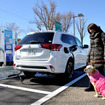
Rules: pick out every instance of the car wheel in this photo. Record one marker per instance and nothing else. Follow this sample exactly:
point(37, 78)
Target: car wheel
point(29, 74)
point(69, 69)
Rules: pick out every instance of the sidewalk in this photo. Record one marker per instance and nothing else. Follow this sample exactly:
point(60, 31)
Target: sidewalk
point(6, 71)
point(75, 95)
point(6, 68)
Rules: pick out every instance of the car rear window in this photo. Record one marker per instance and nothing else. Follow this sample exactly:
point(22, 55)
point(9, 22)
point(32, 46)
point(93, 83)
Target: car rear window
point(38, 38)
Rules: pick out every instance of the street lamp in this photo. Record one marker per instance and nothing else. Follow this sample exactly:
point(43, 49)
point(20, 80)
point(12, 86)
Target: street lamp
point(79, 15)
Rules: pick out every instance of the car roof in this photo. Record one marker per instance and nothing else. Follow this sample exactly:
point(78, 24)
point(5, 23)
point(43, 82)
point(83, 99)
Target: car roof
point(38, 32)
point(30, 33)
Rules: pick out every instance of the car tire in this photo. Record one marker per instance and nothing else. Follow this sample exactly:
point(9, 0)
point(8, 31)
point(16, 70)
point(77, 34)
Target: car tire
point(69, 69)
point(29, 74)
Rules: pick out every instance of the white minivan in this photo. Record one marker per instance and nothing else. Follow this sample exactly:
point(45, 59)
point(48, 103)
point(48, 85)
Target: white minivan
point(50, 52)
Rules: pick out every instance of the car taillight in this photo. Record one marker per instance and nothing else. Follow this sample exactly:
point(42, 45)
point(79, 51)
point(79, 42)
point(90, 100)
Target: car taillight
point(54, 47)
point(17, 47)
point(14, 65)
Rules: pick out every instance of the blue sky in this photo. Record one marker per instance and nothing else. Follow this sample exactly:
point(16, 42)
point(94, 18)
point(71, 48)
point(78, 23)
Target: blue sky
point(21, 12)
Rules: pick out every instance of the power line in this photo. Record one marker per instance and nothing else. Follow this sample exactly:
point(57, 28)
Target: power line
point(14, 14)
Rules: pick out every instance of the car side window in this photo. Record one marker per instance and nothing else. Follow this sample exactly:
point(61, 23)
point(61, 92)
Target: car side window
point(78, 42)
point(68, 39)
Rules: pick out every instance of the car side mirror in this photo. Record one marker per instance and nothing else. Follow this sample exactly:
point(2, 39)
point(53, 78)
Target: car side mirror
point(73, 48)
point(85, 46)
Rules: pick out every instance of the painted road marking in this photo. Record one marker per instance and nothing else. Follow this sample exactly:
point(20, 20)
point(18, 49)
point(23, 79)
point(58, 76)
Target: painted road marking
point(49, 94)
point(24, 89)
point(54, 93)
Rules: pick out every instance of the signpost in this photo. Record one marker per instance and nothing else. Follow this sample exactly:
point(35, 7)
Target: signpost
point(58, 26)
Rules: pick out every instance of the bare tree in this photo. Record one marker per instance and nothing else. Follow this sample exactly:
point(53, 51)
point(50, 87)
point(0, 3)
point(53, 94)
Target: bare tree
point(81, 27)
point(66, 21)
point(45, 16)
point(13, 26)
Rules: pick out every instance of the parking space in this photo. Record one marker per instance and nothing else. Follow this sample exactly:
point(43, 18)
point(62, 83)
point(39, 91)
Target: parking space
point(27, 91)
point(10, 96)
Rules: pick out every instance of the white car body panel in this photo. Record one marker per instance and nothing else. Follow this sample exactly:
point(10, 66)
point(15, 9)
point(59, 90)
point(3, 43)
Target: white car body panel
point(32, 57)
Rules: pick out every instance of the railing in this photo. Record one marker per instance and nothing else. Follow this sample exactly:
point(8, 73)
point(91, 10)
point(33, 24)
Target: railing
point(4, 56)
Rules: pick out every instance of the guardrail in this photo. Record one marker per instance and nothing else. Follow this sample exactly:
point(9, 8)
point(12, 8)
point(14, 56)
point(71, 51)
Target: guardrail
point(4, 56)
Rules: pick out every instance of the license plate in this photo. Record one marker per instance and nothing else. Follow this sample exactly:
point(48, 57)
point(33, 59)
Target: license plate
point(31, 52)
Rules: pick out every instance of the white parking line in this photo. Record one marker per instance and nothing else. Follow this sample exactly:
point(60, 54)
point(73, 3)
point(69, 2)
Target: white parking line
point(49, 94)
point(54, 93)
point(25, 89)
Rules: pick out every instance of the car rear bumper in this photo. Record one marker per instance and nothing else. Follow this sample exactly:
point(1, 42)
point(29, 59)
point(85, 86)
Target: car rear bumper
point(53, 65)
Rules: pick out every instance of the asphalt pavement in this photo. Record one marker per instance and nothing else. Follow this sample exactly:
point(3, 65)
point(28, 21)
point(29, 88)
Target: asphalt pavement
point(75, 95)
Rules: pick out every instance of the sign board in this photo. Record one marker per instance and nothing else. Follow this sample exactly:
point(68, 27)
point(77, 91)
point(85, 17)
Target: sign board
point(8, 45)
point(58, 26)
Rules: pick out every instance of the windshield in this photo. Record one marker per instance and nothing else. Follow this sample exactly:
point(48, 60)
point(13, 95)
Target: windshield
point(38, 38)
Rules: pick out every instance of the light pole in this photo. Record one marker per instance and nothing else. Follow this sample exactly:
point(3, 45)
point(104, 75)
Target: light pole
point(79, 15)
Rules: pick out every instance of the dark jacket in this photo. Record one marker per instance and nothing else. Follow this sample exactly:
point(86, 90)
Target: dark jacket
point(96, 53)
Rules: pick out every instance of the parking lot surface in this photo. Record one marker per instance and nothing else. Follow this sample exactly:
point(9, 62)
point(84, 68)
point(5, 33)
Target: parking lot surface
point(75, 95)
point(48, 89)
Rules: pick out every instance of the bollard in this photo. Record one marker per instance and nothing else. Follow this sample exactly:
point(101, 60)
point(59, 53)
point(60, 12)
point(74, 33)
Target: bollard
point(4, 56)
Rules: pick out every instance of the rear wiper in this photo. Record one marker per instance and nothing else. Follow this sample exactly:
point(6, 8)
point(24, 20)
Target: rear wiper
point(35, 42)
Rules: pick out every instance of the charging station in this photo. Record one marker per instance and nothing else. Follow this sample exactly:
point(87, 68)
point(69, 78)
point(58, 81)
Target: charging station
point(7, 43)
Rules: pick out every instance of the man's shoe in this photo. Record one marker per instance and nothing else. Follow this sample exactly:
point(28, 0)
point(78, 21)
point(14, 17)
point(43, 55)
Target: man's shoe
point(89, 89)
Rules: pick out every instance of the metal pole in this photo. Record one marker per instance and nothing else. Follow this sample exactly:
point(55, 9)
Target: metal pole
point(4, 56)
point(74, 25)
